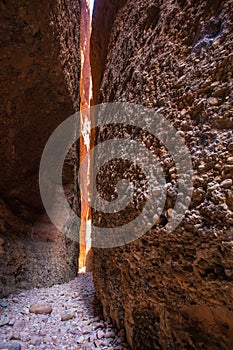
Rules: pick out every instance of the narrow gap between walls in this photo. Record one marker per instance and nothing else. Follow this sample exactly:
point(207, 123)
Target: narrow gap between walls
point(85, 127)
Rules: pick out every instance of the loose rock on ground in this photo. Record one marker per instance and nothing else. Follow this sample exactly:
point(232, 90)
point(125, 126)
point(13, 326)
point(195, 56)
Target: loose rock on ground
point(60, 317)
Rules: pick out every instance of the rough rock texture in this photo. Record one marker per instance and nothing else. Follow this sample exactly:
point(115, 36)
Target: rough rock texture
point(172, 291)
point(39, 69)
point(105, 12)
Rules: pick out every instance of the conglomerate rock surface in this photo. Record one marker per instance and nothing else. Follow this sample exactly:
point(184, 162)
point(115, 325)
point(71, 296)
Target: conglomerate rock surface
point(172, 290)
point(39, 69)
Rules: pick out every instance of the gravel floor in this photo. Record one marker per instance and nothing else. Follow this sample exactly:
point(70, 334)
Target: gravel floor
point(60, 317)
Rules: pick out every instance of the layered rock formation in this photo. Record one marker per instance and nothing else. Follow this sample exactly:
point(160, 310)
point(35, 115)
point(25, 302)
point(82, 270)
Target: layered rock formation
point(171, 290)
point(40, 68)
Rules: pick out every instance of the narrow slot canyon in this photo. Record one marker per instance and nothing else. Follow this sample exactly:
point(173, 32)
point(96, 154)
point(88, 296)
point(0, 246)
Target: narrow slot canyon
point(144, 257)
point(85, 121)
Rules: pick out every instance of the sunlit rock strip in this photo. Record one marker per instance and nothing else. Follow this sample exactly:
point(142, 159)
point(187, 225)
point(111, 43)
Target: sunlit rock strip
point(85, 120)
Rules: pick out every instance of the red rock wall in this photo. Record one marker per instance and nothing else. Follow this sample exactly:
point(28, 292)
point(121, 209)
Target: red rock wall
point(39, 84)
point(102, 21)
point(173, 291)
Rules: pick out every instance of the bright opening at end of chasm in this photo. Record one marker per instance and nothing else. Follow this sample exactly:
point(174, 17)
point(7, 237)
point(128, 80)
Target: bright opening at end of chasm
point(92, 3)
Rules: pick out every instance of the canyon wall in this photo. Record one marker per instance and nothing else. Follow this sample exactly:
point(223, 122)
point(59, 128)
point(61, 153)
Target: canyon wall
point(102, 21)
point(171, 290)
point(39, 69)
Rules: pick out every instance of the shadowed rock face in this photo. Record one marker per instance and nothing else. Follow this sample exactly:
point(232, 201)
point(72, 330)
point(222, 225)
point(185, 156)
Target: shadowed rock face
point(105, 12)
point(39, 69)
point(172, 291)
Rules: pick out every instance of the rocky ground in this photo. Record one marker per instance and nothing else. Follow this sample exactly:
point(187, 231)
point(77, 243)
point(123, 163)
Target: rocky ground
point(59, 317)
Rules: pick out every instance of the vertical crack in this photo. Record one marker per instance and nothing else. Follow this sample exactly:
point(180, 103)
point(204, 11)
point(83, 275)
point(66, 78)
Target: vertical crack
point(85, 127)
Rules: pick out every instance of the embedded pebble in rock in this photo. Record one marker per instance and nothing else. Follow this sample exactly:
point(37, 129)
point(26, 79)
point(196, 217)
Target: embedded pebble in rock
point(230, 147)
point(226, 183)
point(69, 324)
point(230, 160)
point(213, 101)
